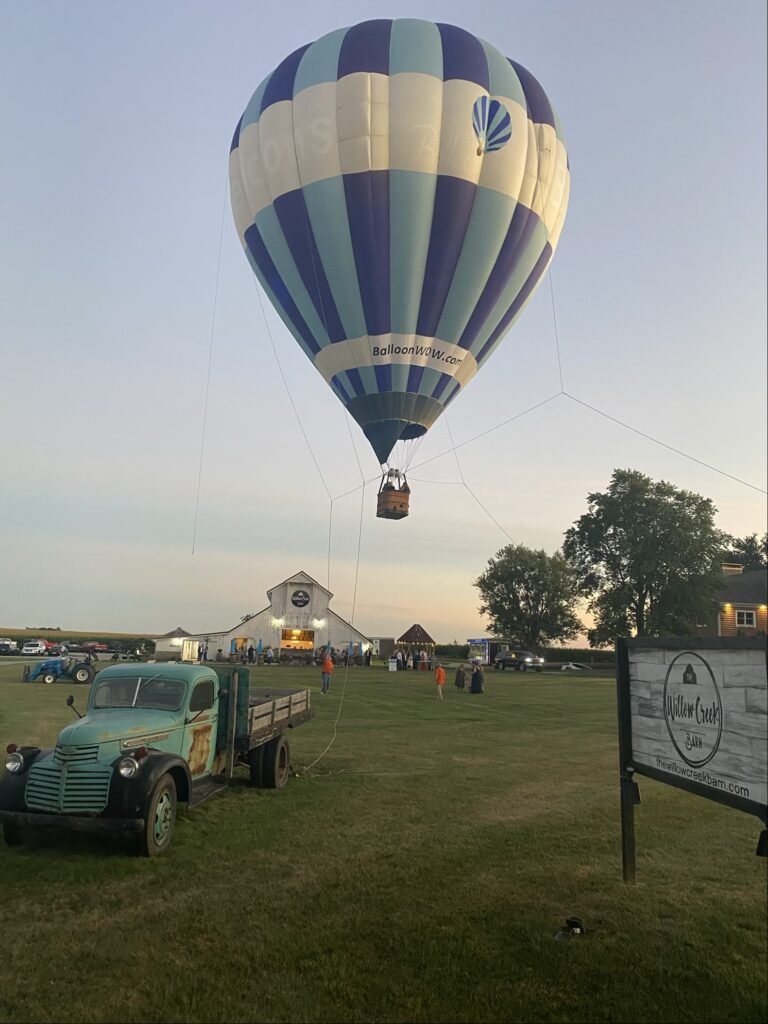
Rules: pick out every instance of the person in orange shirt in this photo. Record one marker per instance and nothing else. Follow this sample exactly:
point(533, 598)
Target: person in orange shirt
point(327, 672)
point(440, 680)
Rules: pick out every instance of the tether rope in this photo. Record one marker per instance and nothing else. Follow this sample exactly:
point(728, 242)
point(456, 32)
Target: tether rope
point(288, 390)
point(332, 740)
point(663, 444)
point(554, 324)
point(210, 361)
point(469, 489)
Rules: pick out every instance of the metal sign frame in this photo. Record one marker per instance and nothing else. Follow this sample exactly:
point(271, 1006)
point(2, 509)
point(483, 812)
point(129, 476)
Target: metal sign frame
point(628, 767)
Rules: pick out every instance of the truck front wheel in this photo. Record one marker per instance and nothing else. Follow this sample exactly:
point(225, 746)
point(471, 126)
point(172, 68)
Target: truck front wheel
point(12, 834)
point(160, 818)
point(277, 763)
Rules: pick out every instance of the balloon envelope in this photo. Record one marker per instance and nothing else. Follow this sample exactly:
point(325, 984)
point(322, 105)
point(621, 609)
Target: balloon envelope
point(399, 188)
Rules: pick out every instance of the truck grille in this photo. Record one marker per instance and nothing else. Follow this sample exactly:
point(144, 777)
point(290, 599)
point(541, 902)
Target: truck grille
point(76, 755)
point(68, 788)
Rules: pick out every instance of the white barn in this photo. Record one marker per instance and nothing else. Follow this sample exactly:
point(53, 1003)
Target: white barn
point(297, 619)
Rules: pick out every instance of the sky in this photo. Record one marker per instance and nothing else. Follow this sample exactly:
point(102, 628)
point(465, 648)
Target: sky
point(116, 123)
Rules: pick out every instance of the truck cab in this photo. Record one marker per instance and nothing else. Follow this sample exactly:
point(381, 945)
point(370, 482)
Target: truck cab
point(153, 735)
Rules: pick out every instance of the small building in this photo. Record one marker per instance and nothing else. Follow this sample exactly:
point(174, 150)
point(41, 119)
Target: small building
point(743, 603)
point(297, 621)
point(417, 638)
point(383, 647)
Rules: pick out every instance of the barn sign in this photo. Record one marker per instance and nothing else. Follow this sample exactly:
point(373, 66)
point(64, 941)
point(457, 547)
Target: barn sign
point(693, 714)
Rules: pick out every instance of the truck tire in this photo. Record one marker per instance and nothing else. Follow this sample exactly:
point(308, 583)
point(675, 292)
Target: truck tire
point(277, 763)
point(256, 765)
point(48, 677)
point(12, 834)
point(159, 819)
point(83, 674)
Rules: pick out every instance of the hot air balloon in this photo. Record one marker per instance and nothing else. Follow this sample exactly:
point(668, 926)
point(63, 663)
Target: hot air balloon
point(399, 188)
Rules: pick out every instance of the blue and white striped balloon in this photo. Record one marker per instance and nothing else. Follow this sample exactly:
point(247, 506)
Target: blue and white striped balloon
point(399, 188)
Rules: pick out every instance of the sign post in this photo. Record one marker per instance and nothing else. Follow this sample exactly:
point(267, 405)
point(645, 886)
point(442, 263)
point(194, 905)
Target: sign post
point(692, 714)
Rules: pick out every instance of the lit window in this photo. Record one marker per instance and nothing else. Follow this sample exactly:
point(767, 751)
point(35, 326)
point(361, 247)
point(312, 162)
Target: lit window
point(744, 618)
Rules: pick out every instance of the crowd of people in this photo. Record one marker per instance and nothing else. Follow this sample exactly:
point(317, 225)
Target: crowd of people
point(413, 660)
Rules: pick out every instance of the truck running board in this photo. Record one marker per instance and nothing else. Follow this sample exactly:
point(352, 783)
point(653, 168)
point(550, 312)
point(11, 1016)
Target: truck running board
point(204, 790)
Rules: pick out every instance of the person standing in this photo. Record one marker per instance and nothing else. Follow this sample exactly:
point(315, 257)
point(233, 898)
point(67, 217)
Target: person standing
point(368, 658)
point(476, 684)
point(250, 654)
point(399, 659)
point(327, 673)
point(440, 681)
point(270, 655)
point(461, 678)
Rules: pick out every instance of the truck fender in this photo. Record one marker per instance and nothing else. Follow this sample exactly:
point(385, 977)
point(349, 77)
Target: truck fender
point(12, 787)
point(130, 799)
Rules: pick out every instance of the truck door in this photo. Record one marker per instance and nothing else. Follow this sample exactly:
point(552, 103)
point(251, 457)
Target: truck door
point(199, 745)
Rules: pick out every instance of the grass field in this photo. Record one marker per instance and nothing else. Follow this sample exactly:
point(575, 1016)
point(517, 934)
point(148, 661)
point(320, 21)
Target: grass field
point(419, 873)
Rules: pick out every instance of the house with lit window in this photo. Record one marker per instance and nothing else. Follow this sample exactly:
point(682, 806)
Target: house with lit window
point(742, 603)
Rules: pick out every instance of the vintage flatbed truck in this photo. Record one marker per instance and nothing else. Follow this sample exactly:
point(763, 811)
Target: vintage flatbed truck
point(153, 735)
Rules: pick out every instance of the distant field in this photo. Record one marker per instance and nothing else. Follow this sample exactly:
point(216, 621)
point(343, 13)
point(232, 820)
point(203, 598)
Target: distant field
point(418, 874)
point(58, 634)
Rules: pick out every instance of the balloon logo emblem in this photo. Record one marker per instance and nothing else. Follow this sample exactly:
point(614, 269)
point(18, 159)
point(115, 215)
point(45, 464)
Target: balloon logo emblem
point(492, 125)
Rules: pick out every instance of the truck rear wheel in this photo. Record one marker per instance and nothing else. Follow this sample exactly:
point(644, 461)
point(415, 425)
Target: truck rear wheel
point(159, 819)
point(277, 763)
point(256, 765)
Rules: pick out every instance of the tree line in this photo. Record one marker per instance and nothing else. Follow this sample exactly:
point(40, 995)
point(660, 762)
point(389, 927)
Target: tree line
point(646, 558)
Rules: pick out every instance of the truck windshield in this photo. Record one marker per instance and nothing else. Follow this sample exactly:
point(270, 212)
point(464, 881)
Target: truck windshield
point(140, 692)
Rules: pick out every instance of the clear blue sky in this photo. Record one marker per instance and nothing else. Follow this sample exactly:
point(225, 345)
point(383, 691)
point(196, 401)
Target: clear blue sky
point(116, 121)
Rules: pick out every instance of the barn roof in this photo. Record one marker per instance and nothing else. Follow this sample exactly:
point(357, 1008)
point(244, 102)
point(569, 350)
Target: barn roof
point(174, 633)
point(415, 635)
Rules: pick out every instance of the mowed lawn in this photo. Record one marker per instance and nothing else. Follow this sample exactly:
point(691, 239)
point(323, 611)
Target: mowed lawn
point(418, 873)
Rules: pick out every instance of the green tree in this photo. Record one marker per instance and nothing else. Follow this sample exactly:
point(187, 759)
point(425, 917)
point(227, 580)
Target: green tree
point(647, 557)
point(751, 551)
point(529, 596)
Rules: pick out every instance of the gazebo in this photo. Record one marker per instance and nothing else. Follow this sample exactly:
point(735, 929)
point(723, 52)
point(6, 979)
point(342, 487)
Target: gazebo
point(417, 637)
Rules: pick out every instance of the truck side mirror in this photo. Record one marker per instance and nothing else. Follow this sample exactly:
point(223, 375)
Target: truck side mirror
point(71, 704)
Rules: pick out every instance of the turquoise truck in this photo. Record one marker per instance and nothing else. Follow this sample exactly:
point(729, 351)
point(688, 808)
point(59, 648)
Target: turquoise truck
point(153, 736)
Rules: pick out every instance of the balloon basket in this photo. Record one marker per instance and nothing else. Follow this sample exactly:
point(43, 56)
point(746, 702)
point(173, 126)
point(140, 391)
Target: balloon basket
point(393, 499)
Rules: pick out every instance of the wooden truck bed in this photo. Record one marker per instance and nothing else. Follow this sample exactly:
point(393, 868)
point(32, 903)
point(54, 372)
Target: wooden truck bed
point(272, 710)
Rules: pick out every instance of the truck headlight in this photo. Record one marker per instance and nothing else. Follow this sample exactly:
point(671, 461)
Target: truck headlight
point(128, 767)
point(14, 763)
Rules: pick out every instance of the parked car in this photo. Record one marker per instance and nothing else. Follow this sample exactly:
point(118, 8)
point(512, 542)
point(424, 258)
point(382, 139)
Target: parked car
point(8, 646)
point(35, 647)
point(520, 661)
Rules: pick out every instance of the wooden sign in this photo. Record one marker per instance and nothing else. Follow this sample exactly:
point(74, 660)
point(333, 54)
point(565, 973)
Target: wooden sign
point(693, 714)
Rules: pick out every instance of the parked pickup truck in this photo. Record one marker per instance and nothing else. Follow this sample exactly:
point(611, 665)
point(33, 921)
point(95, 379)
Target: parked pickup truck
point(153, 735)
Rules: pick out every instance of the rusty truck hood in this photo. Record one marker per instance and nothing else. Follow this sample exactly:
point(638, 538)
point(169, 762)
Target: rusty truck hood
point(105, 725)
